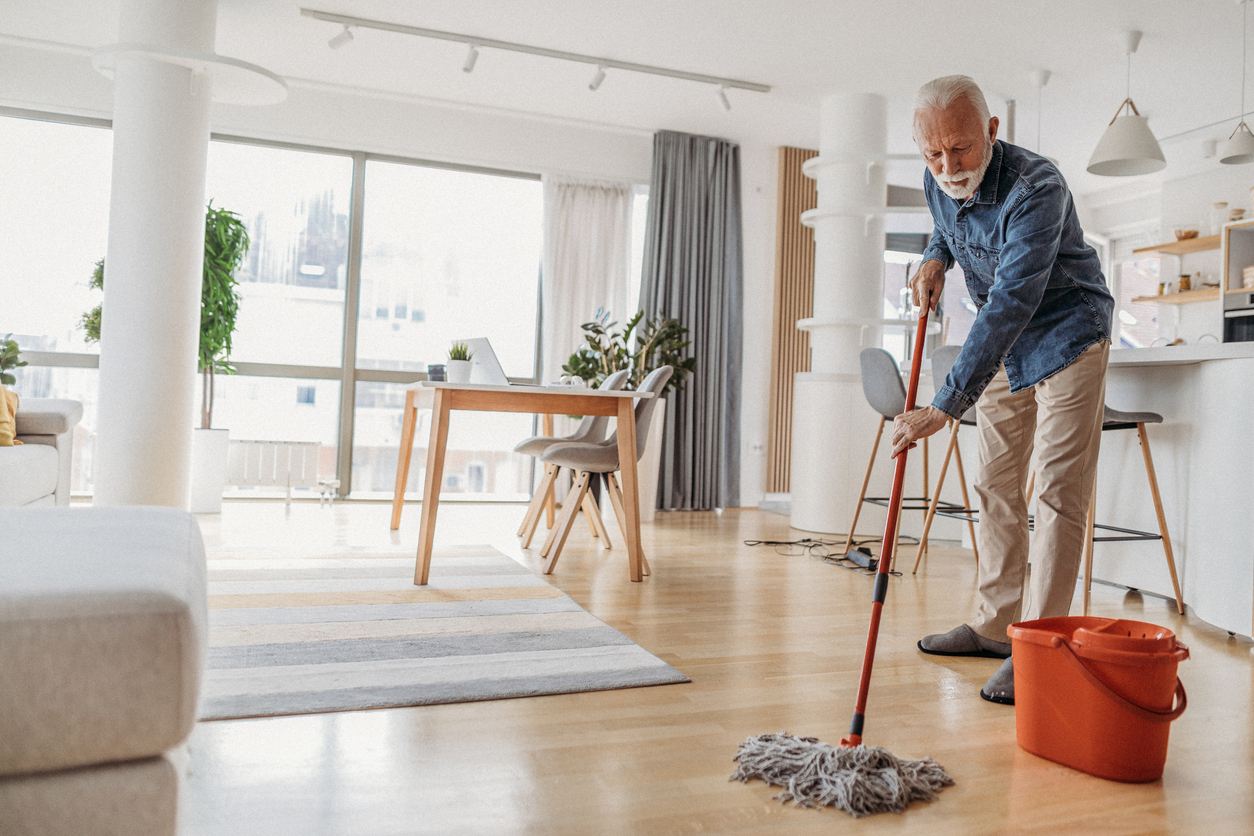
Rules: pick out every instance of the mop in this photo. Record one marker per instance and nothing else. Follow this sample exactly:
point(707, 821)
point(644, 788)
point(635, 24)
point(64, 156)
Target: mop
point(858, 779)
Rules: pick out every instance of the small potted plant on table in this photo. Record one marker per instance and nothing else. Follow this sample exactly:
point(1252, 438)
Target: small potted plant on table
point(459, 357)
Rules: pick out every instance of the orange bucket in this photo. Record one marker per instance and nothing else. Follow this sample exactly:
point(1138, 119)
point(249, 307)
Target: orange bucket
point(1096, 694)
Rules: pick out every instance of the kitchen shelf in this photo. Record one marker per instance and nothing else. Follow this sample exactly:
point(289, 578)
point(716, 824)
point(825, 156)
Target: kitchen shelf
point(1184, 247)
point(1184, 297)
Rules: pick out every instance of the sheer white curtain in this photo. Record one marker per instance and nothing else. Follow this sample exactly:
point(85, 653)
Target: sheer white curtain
point(587, 237)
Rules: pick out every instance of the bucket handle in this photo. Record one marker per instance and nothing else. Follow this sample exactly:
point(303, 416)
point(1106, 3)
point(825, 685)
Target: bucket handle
point(1181, 699)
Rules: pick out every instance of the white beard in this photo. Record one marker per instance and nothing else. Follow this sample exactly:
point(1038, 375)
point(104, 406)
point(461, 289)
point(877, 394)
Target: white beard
point(972, 178)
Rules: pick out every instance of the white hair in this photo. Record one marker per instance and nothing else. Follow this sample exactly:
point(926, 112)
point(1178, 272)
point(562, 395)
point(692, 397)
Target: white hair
point(941, 93)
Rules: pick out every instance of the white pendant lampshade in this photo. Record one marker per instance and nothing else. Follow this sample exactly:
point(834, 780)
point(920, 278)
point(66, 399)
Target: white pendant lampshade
point(1127, 148)
point(1239, 149)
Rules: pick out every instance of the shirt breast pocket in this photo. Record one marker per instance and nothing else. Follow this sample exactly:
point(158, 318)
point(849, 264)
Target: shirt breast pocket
point(984, 260)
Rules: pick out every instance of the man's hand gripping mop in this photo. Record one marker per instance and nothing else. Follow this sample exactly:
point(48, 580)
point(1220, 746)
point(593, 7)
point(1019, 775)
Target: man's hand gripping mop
point(858, 779)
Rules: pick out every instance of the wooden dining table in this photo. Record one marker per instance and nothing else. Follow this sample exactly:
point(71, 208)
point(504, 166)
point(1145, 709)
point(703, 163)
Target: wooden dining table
point(543, 400)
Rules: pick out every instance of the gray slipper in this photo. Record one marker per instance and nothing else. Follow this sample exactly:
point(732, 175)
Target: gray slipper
point(963, 641)
point(1000, 687)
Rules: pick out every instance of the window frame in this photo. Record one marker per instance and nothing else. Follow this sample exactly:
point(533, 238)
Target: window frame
point(347, 372)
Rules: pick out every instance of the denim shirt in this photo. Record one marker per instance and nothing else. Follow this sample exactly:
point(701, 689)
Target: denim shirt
point(1038, 287)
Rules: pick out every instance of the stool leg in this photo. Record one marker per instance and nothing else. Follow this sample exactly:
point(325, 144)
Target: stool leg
point(931, 508)
point(866, 480)
point(1027, 494)
point(966, 503)
point(1162, 518)
point(1090, 527)
point(926, 485)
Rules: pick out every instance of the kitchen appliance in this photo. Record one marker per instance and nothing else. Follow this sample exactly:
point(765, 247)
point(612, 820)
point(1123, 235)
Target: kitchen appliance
point(1239, 316)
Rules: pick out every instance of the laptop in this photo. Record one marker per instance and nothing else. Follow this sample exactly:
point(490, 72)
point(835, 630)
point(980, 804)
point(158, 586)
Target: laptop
point(484, 366)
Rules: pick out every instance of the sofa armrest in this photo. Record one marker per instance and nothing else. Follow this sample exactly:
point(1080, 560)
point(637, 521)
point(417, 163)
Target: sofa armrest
point(47, 416)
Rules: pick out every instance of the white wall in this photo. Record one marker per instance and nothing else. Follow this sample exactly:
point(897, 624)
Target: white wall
point(339, 117)
point(759, 174)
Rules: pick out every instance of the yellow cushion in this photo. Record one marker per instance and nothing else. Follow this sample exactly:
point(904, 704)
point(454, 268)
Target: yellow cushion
point(8, 418)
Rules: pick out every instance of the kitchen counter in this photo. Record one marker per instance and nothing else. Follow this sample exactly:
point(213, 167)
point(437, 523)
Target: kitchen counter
point(1204, 464)
point(1172, 355)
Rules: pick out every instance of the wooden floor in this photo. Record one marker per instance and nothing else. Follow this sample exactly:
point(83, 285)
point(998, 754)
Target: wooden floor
point(771, 642)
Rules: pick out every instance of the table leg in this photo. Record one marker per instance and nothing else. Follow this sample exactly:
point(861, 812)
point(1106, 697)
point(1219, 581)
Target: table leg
point(431, 488)
point(403, 456)
point(631, 484)
point(550, 504)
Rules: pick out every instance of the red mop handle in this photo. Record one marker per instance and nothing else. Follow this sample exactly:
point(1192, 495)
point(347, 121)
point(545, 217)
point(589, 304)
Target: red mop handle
point(888, 547)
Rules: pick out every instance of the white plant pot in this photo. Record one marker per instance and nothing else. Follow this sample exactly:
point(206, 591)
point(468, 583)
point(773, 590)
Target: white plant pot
point(209, 454)
point(458, 371)
point(649, 468)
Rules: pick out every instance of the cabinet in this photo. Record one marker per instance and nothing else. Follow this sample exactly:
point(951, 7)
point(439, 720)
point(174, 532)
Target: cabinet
point(1238, 244)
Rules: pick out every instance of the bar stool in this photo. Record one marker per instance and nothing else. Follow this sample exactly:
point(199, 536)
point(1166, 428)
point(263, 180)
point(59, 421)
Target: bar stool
point(591, 429)
point(943, 360)
point(589, 460)
point(884, 391)
point(1112, 420)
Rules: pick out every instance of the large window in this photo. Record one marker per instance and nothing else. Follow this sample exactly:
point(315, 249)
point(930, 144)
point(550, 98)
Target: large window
point(445, 254)
point(1137, 324)
point(479, 462)
point(448, 255)
point(292, 283)
point(54, 213)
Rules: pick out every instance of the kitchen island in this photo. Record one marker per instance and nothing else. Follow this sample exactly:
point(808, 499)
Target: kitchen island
point(1204, 458)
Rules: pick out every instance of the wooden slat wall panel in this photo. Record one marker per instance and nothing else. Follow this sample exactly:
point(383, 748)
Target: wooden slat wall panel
point(794, 299)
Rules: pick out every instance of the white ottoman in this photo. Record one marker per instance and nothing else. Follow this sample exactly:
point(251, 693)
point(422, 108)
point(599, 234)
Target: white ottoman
point(102, 645)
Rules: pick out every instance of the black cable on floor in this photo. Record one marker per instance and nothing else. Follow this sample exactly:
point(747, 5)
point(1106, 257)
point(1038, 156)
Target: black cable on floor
point(812, 547)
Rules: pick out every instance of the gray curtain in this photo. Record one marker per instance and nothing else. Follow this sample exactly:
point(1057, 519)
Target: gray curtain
point(692, 272)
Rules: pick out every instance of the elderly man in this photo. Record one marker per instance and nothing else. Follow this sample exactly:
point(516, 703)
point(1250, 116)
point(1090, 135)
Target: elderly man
point(1034, 363)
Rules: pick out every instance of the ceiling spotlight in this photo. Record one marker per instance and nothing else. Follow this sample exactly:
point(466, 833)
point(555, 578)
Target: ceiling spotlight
point(597, 79)
point(341, 39)
point(472, 55)
point(722, 97)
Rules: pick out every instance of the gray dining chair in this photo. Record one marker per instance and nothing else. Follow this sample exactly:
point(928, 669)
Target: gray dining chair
point(884, 391)
point(591, 429)
point(943, 360)
point(588, 459)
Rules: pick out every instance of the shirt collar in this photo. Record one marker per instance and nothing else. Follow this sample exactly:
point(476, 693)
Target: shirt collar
point(987, 192)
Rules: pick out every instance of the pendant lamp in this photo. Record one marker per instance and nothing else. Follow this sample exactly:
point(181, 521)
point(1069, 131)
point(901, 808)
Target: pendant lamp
point(1128, 147)
point(1239, 148)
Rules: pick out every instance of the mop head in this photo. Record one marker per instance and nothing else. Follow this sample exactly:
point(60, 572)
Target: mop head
point(860, 780)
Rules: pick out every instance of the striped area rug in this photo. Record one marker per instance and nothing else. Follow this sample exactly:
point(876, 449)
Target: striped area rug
point(300, 635)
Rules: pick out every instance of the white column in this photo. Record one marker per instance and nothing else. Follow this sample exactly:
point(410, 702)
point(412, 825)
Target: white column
point(151, 319)
point(833, 425)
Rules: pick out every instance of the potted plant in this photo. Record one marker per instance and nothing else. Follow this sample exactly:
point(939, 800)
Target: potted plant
point(9, 354)
point(226, 245)
point(459, 357)
point(641, 346)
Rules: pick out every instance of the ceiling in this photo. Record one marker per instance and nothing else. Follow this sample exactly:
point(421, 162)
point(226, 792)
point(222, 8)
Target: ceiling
point(1186, 74)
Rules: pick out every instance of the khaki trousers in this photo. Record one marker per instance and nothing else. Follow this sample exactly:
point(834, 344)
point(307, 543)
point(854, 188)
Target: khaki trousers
point(1061, 419)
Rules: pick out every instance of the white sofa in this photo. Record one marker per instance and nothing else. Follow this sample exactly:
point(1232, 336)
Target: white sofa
point(37, 472)
point(103, 631)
